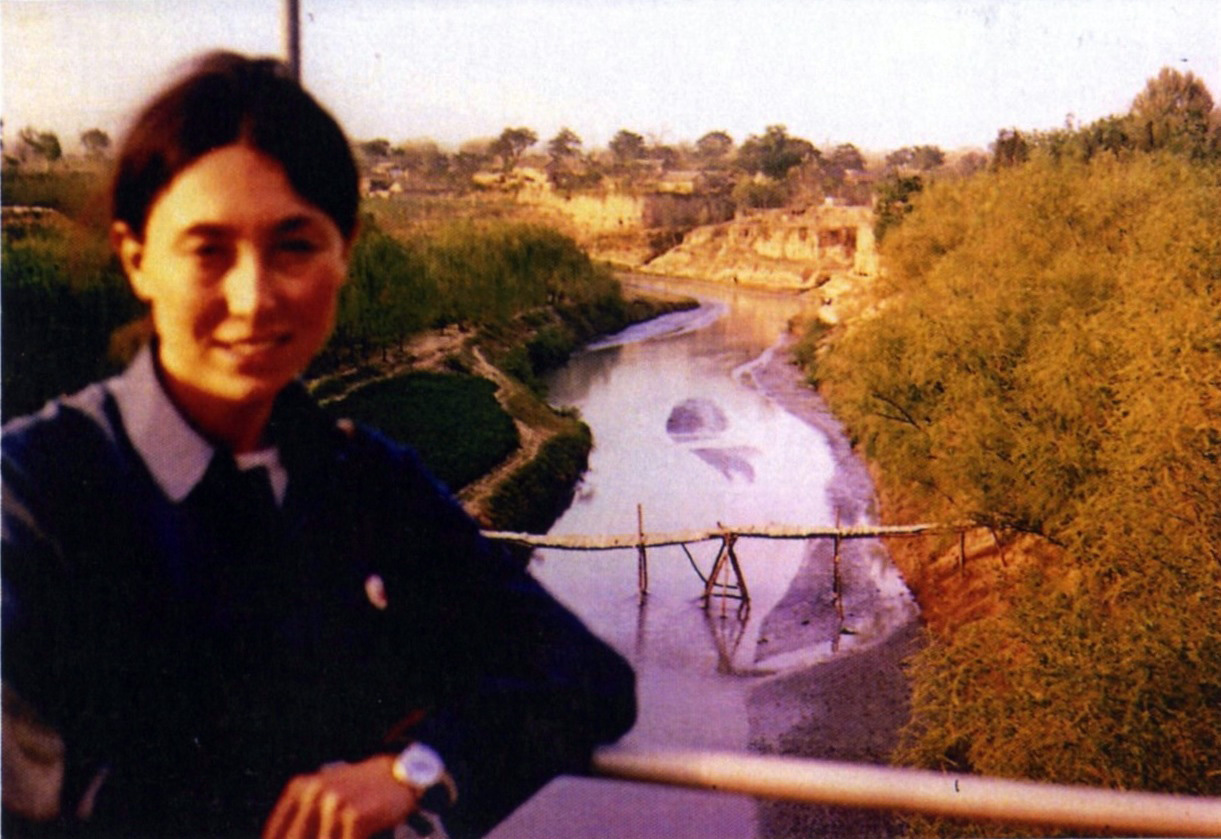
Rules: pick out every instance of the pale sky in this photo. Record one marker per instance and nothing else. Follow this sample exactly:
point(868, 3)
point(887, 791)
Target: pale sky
point(877, 73)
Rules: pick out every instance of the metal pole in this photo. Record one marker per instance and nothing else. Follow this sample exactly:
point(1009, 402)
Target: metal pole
point(292, 38)
point(956, 796)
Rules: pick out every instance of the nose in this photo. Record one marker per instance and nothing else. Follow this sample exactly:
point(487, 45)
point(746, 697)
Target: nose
point(248, 284)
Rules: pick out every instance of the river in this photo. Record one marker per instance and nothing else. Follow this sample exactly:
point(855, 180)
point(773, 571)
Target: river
point(699, 422)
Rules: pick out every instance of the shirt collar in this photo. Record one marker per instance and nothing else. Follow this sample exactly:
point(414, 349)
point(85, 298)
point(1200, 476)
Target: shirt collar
point(174, 452)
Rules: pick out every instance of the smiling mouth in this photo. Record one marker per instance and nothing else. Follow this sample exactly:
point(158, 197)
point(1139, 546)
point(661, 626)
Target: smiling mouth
point(255, 345)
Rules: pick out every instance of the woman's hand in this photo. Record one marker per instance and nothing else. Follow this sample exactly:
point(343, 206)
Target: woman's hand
point(343, 801)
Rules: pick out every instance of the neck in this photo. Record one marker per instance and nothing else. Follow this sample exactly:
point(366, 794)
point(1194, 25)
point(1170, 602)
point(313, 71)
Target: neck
point(238, 426)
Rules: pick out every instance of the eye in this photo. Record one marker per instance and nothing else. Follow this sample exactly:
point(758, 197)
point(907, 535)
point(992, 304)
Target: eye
point(211, 254)
point(297, 245)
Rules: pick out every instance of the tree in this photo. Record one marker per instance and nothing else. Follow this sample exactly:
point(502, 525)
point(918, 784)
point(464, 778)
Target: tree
point(375, 148)
point(920, 158)
point(844, 158)
point(511, 144)
point(423, 157)
point(894, 202)
point(1110, 134)
point(96, 142)
point(1010, 148)
point(564, 145)
point(713, 147)
point(833, 171)
point(563, 157)
point(970, 163)
point(667, 156)
point(1173, 112)
point(926, 158)
point(463, 165)
point(44, 144)
point(627, 147)
point(775, 153)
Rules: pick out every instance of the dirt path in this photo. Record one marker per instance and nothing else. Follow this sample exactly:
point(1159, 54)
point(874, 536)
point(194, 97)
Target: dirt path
point(426, 351)
point(475, 496)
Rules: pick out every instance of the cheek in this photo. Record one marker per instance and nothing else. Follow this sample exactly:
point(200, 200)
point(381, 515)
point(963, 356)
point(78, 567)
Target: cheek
point(316, 301)
point(186, 315)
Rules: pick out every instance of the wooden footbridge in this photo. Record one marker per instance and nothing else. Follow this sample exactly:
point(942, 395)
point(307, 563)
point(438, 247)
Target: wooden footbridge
point(725, 578)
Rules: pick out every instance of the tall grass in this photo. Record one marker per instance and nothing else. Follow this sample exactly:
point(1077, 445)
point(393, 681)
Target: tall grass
point(459, 273)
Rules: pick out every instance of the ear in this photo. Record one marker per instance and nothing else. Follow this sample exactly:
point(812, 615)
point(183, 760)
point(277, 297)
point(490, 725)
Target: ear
point(349, 244)
point(130, 251)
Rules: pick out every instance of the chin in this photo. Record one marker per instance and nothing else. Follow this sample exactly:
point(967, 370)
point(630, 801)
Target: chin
point(244, 390)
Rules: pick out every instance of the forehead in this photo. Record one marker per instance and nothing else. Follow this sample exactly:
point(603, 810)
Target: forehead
point(233, 187)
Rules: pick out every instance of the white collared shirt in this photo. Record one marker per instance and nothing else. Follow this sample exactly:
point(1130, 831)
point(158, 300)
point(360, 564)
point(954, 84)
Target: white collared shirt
point(174, 452)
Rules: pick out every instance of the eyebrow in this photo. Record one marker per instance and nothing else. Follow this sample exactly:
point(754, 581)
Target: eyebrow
point(205, 230)
point(294, 224)
point(218, 230)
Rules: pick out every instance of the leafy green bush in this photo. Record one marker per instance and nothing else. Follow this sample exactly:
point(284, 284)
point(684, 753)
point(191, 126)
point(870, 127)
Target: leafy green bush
point(531, 500)
point(1044, 355)
point(454, 422)
point(550, 347)
point(63, 296)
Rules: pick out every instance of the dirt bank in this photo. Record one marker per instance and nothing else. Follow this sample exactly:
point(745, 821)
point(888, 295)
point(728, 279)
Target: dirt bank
point(847, 709)
point(851, 707)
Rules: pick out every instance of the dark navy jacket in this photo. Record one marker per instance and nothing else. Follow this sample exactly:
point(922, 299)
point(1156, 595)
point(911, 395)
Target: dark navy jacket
point(198, 665)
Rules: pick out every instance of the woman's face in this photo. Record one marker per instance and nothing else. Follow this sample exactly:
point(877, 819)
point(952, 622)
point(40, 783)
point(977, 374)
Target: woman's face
point(241, 273)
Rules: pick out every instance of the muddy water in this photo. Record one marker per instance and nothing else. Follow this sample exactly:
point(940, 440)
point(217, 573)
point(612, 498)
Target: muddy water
point(693, 423)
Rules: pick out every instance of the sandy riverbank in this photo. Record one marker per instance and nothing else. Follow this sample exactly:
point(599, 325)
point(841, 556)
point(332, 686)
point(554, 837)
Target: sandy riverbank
point(851, 707)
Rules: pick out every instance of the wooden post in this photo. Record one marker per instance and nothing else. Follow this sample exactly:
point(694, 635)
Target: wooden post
point(710, 585)
point(724, 579)
point(642, 557)
point(837, 587)
point(737, 570)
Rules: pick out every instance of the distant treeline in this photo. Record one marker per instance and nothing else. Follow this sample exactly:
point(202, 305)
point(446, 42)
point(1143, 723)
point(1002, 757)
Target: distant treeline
point(1175, 113)
point(1043, 355)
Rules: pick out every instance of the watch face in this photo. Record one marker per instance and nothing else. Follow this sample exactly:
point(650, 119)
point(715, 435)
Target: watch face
point(420, 766)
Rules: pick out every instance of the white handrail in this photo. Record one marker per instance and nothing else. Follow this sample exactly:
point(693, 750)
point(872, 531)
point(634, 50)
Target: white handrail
point(955, 796)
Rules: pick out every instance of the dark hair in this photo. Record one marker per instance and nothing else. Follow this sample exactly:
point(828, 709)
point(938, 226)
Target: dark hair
point(225, 99)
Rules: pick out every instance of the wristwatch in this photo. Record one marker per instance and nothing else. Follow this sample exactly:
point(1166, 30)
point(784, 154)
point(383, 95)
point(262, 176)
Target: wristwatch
point(422, 769)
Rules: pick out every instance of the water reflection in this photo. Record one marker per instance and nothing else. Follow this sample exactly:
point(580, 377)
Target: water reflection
point(727, 630)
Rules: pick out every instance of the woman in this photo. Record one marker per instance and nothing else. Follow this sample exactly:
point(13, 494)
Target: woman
point(223, 613)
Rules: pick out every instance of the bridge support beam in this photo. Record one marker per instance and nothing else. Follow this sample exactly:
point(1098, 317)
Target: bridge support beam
point(718, 583)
